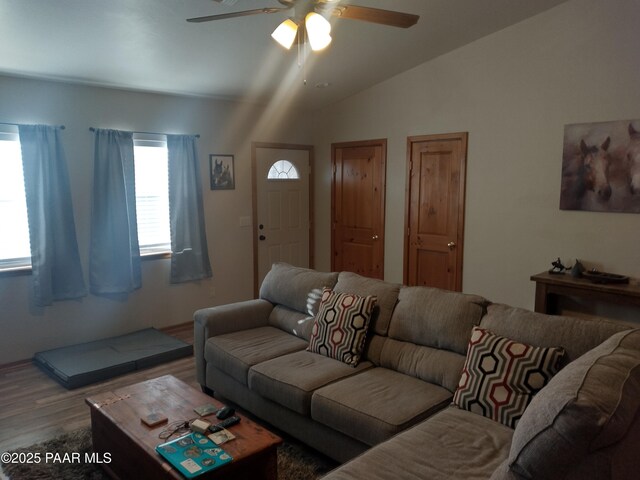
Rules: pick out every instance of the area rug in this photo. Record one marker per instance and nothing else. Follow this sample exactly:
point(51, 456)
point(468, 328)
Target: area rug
point(295, 461)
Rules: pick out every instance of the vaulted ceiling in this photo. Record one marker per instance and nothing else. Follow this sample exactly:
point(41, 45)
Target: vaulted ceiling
point(148, 45)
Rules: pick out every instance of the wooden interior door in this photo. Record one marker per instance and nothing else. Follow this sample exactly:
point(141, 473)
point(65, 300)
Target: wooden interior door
point(357, 207)
point(435, 210)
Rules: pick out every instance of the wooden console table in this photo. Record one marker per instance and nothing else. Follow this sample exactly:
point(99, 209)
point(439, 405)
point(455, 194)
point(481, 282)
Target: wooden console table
point(550, 286)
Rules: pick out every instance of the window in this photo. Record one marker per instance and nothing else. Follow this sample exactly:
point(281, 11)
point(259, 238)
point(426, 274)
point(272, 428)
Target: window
point(283, 170)
point(15, 251)
point(152, 193)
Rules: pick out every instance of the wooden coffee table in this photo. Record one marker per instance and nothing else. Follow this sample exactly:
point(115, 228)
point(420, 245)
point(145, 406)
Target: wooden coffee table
point(117, 430)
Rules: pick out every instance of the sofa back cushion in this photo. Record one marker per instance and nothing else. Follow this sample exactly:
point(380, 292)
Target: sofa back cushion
point(429, 332)
point(436, 318)
point(296, 288)
point(575, 335)
point(433, 365)
point(292, 321)
point(385, 292)
point(587, 407)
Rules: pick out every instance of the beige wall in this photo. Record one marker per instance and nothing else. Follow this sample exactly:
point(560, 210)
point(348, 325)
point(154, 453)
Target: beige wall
point(225, 127)
point(513, 92)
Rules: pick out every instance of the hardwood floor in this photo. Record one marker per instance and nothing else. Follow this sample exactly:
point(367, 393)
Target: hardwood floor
point(34, 408)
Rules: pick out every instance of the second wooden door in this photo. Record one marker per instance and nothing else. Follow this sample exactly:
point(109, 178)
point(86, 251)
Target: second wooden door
point(358, 198)
point(435, 210)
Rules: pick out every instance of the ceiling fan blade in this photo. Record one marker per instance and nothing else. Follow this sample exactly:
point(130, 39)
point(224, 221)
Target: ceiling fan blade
point(368, 14)
point(243, 13)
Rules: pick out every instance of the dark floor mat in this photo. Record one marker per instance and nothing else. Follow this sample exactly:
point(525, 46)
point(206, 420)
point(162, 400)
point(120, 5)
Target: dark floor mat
point(86, 363)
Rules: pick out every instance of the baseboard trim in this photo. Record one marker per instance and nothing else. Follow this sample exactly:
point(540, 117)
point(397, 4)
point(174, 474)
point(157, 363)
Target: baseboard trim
point(16, 364)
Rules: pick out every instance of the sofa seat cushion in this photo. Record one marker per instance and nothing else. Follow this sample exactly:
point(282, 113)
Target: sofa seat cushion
point(376, 404)
point(234, 353)
point(588, 406)
point(291, 379)
point(451, 445)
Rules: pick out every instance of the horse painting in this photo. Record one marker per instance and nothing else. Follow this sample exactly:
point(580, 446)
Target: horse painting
point(633, 160)
point(601, 167)
point(587, 172)
point(596, 162)
point(221, 176)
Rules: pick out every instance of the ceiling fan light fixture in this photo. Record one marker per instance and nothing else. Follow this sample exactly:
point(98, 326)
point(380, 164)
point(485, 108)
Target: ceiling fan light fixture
point(318, 31)
point(285, 33)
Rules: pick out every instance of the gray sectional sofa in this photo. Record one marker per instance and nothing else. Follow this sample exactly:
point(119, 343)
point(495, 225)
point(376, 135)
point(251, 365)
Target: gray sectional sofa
point(392, 413)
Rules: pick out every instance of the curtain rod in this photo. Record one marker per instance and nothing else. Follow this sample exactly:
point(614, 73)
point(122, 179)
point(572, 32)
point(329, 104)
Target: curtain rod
point(61, 127)
point(197, 135)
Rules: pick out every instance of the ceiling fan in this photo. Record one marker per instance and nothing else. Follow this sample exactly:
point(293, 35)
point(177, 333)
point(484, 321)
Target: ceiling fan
point(313, 14)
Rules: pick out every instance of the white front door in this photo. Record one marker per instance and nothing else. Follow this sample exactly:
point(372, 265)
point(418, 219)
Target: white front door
point(282, 207)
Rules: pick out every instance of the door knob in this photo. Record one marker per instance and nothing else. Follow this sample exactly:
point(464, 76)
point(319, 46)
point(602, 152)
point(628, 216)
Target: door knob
point(451, 245)
point(375, 237)
point(262, 237)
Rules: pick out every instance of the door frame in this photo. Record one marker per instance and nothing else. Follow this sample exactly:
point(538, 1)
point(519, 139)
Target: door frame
point(464, 138)
point(382, 142)
point(254, 201)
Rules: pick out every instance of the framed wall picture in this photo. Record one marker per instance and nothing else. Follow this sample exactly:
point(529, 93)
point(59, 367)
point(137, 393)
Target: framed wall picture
point(601, 167)
point(221, 173)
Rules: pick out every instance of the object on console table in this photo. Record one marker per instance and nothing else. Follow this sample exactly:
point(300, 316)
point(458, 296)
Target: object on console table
point(578, 269)
point(604, 277)
point(558, 267)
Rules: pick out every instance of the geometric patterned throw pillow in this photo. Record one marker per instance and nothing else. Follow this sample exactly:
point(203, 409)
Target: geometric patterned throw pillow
point(500, 376)
point(340, 327)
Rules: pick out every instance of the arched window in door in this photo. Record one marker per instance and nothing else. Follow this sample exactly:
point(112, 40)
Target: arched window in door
point(283, 170)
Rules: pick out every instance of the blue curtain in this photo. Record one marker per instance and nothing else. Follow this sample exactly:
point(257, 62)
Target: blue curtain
point(190, 256)
point(115, 253)
point(55, 262)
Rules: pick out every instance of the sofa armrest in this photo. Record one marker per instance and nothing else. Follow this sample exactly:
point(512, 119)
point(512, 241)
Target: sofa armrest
point(213, 321)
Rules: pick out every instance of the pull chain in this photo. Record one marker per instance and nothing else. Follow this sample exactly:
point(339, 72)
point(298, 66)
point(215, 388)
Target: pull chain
point(299, 51)
point(304, 56)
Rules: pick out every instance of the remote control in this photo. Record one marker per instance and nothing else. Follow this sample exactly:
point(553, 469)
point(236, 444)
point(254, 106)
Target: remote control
point(224, 424)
